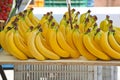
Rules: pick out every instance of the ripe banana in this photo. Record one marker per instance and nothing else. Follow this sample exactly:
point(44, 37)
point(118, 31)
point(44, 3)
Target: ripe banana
point(19, 42)
point(10, 22)
point(72, 14)
point(32, 47)
point(104, 24)
point(12, 47)
point(44, 42)
point(64, 45)
point(81, 27)
point(106, 46)
point(47, 53)
point(69, 39)
point(92, 49)
point(82, 49)
point(77, 39)
point(63, 24)
point(33, 18)
point(2, 40)
point(55, 46)
point(45, 28)
point(21, 29)
point(117, 36)
point(113, 43)
point(84, 16)
point(26, 19)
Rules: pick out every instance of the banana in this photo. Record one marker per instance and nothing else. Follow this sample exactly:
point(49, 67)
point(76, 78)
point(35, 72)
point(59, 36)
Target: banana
point(19, 42)
point(81, 27)
point(33, 18)
point(96, 40)
point(26, 19)
point(92, 49)
point(92, 35)
point(69, 39)
point(117, 36)
point(47, 53)
point(32, 47)
point(64, 45)
point(113, 43)
point(106, 46)
point(63, 24)
point(8, 24)
point(12, 47)
point(45, 18)
point(44, 42)
point(72, 14)
point(21, 28)
point(82, 49)
point(77, 39)
point(45, 28)
point(2, 40)
point(55, 46)
point(104, 24)
point(90, 22)
point(84, 16)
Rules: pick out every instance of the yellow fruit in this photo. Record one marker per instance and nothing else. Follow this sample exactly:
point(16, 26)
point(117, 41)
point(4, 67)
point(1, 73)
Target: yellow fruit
point(107, 48)
point(64, 45)
point(32, 47)
point(55, 46)
point(92, 49)
point(12, 48)
point(44, 51)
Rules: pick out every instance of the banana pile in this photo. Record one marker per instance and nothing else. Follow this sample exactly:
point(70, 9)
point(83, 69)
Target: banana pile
point(27, 37)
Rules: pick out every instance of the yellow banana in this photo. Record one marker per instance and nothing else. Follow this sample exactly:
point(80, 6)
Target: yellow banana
point(2, 40)
point(21, 44)
point(81, 27)
point(113, 43)
point(72, 14)
point(10, 22)
point(55, 46)
point(27, 33)
point(33, 18)
point(44, 42)
point(104, 24)
point(96, 40)
point(92, 49)
point(82, 49)
point(45, 28)
point(92, 35)
point(64, 45)
point(21, 29)
point(69, 39)
point(84, 16)
point(117, 36)
point(106, 46)
point(62, 25)
point(32, 47)
point(26, 19)
point(47, 53)
point(45, 17)
point(12, 47)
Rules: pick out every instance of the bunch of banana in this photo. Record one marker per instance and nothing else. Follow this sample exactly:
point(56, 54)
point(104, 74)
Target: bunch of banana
point(10, 40)
point(25, 36)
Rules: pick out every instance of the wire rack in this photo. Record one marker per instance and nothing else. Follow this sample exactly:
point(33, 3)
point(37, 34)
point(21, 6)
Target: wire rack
point(64, 72)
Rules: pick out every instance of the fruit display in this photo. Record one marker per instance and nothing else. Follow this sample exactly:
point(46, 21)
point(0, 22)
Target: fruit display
point(27, 37)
